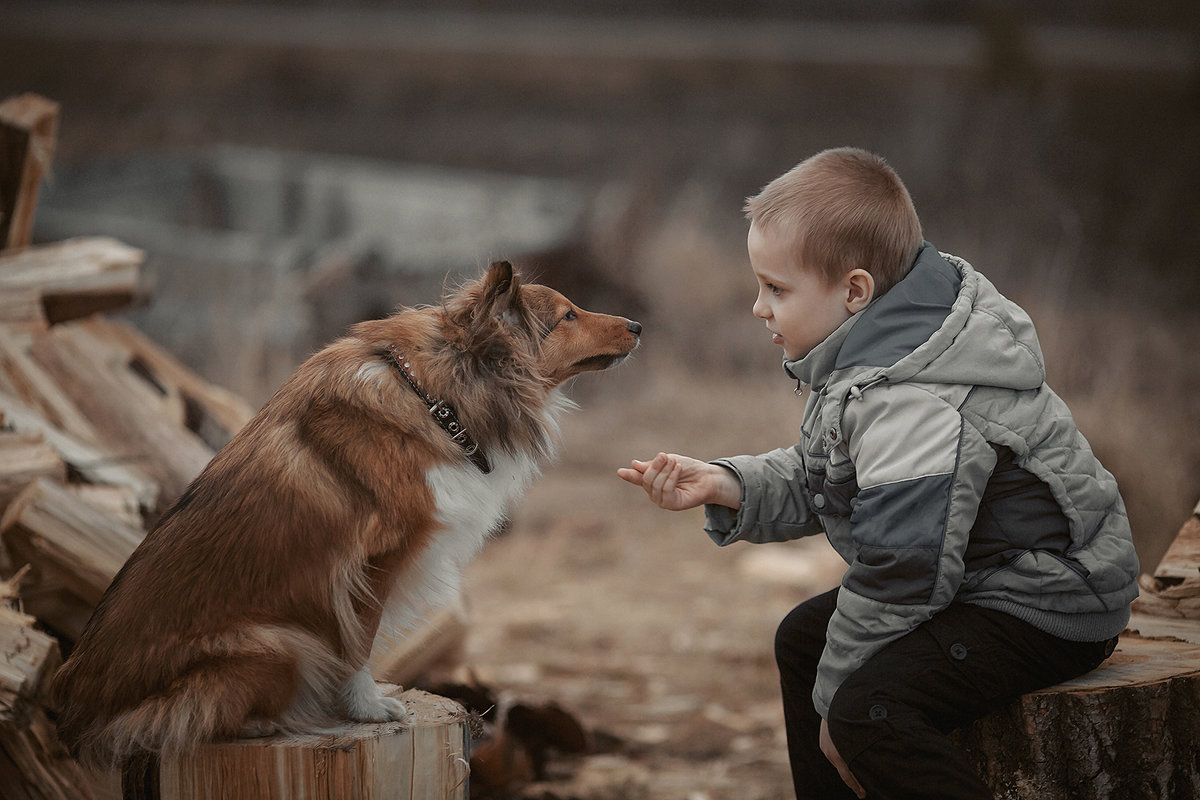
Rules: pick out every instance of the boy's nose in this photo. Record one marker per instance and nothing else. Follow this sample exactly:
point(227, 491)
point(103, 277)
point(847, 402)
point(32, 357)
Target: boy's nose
point(760, 308)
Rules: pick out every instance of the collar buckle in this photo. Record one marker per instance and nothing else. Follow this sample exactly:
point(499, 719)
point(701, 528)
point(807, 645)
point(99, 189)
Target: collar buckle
point(443, 414)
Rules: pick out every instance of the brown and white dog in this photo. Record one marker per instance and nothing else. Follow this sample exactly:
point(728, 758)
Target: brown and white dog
point(252, 606)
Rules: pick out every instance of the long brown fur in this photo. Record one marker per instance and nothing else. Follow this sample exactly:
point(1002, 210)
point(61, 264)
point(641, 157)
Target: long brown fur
point(253, 604)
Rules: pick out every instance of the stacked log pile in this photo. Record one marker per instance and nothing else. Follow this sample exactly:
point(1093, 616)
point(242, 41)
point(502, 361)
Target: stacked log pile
point(99, 429)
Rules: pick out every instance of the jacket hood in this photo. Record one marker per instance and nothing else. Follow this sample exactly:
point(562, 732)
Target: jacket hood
point(943, 323)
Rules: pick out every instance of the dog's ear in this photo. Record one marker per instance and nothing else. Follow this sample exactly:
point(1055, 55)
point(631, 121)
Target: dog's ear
point(499, 294)
point(482, 317)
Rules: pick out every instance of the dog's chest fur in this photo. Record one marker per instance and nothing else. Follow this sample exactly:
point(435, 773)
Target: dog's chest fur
point(469, 506)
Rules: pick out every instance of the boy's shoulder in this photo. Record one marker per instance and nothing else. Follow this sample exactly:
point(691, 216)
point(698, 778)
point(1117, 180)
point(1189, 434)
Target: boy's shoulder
point(945, 323)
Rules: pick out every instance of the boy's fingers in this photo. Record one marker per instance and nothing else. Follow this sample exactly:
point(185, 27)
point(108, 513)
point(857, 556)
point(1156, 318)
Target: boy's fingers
point(634, 472)
point(662, 473)
point(630, 476)
point(850, 781)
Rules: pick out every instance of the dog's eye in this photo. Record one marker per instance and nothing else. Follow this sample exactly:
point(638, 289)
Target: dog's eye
point(570, 315)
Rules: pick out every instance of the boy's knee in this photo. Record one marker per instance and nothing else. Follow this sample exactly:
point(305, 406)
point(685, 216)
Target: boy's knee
point(800, 637)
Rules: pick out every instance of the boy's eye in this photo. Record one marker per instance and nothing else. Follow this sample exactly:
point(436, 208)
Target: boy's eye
point(773, 289)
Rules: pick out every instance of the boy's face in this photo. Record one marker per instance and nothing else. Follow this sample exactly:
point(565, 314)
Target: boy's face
point(800, 309)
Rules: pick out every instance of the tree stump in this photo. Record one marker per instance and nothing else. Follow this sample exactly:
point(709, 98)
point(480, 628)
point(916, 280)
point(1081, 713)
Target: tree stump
point(425, 758)
point(1130, 730)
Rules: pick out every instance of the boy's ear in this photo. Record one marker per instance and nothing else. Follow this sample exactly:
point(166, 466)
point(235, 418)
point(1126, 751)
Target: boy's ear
point(860, 290)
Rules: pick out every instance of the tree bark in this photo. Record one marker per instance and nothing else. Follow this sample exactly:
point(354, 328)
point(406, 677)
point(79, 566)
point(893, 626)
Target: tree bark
point(1130, 730)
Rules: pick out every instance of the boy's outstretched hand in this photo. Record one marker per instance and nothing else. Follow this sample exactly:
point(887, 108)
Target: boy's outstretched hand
point(677, 482)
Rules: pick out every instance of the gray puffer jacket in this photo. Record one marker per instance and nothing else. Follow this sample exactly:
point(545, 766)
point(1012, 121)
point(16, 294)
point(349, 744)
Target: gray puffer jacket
point(942, 468)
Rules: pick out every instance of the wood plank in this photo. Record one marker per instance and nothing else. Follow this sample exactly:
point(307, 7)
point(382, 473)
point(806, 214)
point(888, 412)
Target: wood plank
point(28, 132)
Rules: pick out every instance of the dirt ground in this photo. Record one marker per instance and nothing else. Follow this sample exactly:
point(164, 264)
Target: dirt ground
point(631, 618)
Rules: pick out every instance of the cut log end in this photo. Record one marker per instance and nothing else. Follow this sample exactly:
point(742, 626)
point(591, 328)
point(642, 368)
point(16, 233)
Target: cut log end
point(425, 757)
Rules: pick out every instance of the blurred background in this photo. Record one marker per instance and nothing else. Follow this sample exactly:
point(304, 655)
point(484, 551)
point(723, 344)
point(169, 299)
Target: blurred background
point(292, 167)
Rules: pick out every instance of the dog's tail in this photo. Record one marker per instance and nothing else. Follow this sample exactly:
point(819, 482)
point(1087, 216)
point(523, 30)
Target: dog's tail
point(278, 676)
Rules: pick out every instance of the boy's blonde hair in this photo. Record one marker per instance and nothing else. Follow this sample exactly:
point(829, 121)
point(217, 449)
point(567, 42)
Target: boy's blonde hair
point(844, 209)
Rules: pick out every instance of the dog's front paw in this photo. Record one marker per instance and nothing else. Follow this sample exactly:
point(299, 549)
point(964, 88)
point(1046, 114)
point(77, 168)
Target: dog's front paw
point(378, 709)
point(393, 709)
point(365, 703)
point(257, 728)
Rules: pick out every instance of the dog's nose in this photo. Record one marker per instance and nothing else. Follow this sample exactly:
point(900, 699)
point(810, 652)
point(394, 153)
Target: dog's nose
point(635, 328)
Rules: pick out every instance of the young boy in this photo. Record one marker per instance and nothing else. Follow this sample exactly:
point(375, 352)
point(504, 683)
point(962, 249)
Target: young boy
point(989, 552)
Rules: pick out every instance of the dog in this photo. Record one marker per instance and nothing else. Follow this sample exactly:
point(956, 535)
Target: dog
point(359, 491)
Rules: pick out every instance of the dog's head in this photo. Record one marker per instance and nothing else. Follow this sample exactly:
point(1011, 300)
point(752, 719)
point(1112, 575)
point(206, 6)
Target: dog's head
point(501, 320)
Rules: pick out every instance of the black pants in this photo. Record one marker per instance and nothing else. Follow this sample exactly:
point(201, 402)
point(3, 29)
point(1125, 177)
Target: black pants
point(889, 720)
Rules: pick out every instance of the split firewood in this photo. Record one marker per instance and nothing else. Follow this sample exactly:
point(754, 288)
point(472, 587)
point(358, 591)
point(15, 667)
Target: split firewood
point(24, 457)
point(32, 763)
point(1174, 588)
point(213, 413)
point(1182, 559)
point(75, 278)
point(24, 379)
point(74, 548)
point(119, 503)
point(34, 766)
point(28, 130)
point(124, 408)
point(28, 657)
point(21, 310)
point(83, 457)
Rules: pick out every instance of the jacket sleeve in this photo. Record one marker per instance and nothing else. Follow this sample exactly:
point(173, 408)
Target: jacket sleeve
point(921, 472)
point(774, 503)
